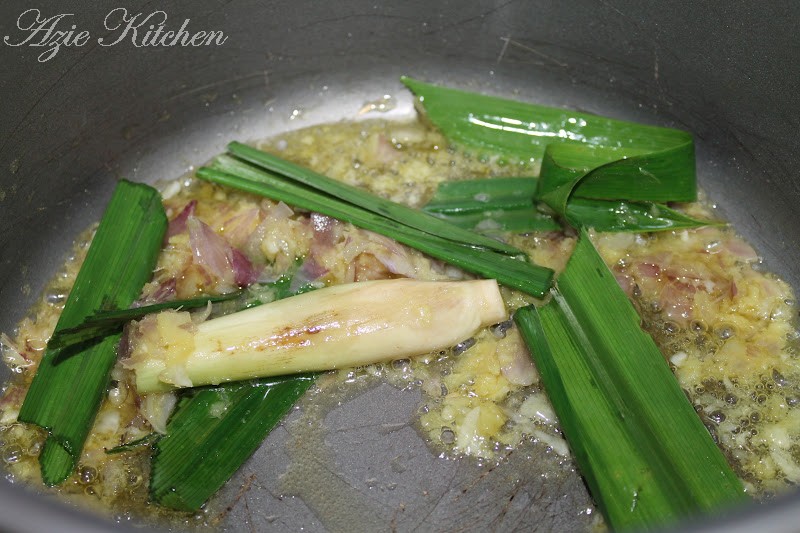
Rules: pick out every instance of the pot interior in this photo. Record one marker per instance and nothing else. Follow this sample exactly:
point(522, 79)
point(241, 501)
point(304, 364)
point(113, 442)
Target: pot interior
point(93, 115)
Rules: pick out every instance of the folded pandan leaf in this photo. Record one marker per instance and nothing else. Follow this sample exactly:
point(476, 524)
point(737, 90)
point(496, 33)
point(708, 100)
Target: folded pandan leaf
point(581, 155)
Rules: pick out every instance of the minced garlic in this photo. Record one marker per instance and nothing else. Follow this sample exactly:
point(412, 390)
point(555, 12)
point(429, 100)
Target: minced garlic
point(726, 327)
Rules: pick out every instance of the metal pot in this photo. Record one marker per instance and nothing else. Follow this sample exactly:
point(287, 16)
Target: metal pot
point(91, 113)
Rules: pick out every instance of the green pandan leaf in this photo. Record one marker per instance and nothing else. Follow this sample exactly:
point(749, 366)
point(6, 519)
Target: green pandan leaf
point(104, 323)
point(214, 430)
point(581, 155)
point(491, 205)
point(70, 383)
point(506, 269)
point(506, 204)
point(647, 458)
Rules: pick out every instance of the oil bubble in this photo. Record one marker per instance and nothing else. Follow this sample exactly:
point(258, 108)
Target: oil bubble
point(34, 449)
point(463, 346)
point(87, 474)
point(725, 331)
point(499, 330)
point(134, 479)
point(717, 417)
point(400, 364)
point(56, 297)
point(447, 436)
point(12, 454)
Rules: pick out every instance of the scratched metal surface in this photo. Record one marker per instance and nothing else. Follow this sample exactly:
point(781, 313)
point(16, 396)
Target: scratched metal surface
point(71, 126)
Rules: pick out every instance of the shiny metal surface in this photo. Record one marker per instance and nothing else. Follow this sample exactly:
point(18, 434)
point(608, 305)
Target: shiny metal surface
point(71, 126)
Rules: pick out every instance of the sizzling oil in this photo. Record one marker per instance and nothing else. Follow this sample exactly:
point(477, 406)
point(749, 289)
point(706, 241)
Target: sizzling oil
point(726, 327)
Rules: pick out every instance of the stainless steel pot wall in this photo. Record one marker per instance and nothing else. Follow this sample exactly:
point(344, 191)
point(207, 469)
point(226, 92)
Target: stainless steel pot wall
point(72, 125)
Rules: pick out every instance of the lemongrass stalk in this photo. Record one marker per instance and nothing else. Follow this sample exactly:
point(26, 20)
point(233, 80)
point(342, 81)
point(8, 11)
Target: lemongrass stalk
point(336, 327)
point(195, 458)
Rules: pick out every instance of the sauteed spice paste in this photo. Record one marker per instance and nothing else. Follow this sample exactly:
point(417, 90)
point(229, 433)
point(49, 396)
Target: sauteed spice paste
point(725, 326)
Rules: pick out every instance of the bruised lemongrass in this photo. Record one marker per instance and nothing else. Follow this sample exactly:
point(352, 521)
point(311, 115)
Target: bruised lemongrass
point(512, 272)
point(70, 383)
point(645, 454)
point(194, 458)
point(336, 327)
